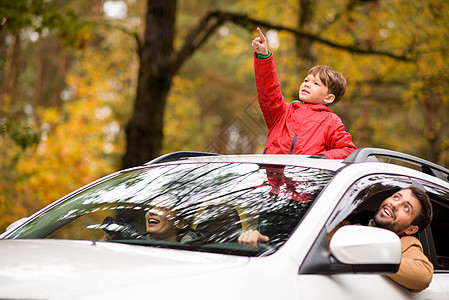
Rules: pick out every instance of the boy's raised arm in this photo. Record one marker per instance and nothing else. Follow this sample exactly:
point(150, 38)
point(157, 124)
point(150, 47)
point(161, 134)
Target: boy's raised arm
point(260, 44)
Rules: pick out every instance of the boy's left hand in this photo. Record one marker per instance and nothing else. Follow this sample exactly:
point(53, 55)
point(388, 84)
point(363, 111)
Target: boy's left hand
point(260, 44)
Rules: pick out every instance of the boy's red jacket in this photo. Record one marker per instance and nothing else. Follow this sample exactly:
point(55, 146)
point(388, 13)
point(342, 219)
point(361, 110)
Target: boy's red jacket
point(297, 127)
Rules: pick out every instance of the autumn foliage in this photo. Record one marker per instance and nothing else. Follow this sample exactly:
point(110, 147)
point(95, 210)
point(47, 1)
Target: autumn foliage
point(69, 72)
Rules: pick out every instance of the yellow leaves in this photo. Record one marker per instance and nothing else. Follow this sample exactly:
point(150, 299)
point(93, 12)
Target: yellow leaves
point(232, 45)
point(182, 118)
point(70, 156)
point(5, 102)
point(11, 205)
point(80, 141)
point(51, 116)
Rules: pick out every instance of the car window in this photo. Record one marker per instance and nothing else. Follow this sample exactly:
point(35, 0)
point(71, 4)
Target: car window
point(440, 234)
point(435, 240)
point(207, 205)
point(366, 194)
point(362, 199)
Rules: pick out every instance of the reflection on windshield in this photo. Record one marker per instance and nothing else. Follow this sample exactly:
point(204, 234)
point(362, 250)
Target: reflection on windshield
point(203, 206)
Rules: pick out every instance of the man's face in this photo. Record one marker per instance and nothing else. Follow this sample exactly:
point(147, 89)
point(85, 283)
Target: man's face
point(312, 90)
point(397, 213)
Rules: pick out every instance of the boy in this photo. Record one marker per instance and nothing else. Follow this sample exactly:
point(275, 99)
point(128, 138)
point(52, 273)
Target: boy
point(306, 126)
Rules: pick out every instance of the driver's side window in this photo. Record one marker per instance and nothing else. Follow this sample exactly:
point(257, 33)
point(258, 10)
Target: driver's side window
point(363, 198)
point(434, 239)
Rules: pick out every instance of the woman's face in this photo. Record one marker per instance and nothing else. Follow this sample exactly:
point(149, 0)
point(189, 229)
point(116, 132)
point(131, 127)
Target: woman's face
point(160, 223)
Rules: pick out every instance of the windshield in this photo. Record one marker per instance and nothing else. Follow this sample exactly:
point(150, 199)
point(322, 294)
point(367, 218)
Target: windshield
point(196, 206)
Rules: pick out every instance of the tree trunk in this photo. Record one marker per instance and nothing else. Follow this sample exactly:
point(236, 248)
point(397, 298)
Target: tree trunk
point(11, 75)
point(144, 131)
point(51, 72)
point(303, 45)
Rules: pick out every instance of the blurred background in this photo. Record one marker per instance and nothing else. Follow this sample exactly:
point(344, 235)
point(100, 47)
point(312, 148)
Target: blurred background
point(90, 87)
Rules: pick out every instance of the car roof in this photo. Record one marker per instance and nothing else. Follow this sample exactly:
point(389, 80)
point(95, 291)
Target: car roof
point(293, 160)
point(359, 156)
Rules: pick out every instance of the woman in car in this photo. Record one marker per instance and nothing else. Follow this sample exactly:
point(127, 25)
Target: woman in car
point(162, 223)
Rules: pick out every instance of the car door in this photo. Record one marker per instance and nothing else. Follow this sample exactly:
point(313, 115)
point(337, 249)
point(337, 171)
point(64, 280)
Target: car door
point(365, 194)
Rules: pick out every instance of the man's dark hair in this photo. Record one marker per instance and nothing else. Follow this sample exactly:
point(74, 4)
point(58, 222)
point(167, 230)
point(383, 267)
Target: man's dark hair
point(425, 216)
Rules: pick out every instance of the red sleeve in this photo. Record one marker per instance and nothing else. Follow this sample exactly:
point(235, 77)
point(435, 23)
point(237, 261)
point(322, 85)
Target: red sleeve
point(339, 141)
point(269, 94)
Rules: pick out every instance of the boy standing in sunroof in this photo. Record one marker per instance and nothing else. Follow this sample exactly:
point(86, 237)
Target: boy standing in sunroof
point(305, 126)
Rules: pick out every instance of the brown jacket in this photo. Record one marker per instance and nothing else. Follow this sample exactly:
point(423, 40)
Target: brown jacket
point(415, 271)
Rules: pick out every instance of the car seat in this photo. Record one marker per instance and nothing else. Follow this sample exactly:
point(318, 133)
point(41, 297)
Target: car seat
point(219, 224)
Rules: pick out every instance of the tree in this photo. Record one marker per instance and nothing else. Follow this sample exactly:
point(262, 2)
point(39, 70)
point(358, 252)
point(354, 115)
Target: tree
point(208, 98)
point(40, 39)
point(159, 63)
point(144, 131)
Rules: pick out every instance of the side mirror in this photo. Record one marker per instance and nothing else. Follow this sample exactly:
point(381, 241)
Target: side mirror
point(364, 246)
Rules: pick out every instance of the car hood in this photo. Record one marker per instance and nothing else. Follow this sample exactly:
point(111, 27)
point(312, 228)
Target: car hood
point(59, 269)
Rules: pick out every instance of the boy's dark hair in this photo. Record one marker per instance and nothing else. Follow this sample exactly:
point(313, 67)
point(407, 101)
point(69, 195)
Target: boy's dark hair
point(425, 216)
point(332, 79)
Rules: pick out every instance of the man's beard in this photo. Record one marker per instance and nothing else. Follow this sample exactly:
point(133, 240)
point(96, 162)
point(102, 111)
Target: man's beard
point(388, 224)
point(385, 224)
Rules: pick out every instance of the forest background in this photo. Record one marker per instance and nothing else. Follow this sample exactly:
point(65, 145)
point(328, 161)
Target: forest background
point(90, 87)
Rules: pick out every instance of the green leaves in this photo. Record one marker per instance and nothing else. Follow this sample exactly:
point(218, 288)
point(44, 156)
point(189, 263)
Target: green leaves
point(21, 133)
point(72, 29)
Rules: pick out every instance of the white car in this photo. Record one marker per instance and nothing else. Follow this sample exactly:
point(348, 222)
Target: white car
point(96, 243)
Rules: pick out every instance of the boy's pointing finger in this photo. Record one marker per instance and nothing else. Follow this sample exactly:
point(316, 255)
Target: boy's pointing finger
point(262, 37)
